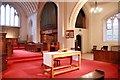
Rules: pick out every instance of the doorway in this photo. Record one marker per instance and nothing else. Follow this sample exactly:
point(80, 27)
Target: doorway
point(78, 43)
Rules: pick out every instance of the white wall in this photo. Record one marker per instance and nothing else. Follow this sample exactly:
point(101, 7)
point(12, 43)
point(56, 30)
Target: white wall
point(23, 28)
point(33, 17)
point(96, 25)
point(23, 22)
point(84, 37)
point(64, 12)
point(93, 35)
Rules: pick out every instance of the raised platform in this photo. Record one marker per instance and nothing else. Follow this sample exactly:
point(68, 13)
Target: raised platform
point(23, 55)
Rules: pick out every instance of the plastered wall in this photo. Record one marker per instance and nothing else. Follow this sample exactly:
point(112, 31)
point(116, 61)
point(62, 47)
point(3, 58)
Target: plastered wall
point(32, 28)
point(97, 25)
point(23, 22)
point(92, 35)
point(12, 32)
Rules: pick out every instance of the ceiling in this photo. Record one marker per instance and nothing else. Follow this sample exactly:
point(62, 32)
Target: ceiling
point(31, 6)
point(28, 7)
point(104, 0)
point(101, 2)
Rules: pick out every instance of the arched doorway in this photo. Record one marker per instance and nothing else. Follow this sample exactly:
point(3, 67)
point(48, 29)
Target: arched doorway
point(78, 45)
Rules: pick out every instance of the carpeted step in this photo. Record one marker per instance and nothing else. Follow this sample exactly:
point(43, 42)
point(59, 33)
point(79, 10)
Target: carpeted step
point(25, 59)
point(23, 56)
point(14, 58)
point(18, 48)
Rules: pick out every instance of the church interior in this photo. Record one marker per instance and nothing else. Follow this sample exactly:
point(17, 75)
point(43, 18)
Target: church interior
point(72, 39)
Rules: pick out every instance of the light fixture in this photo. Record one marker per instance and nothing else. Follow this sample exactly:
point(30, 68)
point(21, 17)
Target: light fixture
point(96, 9)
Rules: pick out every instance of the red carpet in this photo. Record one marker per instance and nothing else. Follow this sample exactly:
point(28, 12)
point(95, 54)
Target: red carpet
point(18, 48)
point(33, 68)
point(23, 55)
point(18, 54)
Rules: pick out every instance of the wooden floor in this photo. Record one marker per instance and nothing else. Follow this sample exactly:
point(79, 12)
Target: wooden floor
point(88, 56)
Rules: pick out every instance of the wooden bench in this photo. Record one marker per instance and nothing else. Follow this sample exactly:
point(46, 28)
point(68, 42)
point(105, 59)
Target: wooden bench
point(95, 75)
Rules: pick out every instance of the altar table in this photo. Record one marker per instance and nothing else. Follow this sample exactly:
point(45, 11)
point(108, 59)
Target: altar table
point(48, 60)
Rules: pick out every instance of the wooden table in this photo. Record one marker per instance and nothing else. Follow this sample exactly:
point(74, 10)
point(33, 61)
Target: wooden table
point(48, 60)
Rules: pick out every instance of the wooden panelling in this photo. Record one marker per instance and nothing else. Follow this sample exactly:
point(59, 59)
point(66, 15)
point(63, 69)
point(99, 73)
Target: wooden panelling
point(35, 47)
point(2, 43)
point(45, 46)
point(12, 32)
point(3, 54)
point(115, 48)
point(49, 35)
point(106, 56)
point(13, 41)
point(49, 38)
point(9, 49)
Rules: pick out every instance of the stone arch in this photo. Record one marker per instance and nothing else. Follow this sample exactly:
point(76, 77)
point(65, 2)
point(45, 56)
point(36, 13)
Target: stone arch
point(86, 11)
point(75, 12)
point(72, 20)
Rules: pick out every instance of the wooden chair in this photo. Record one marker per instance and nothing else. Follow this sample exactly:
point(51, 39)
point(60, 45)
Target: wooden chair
point(53, 46)
point(28, 46)
point(94, 48)
point(104, 48)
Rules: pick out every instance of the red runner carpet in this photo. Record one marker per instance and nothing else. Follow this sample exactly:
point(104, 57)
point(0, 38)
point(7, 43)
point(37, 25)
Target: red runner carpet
point(33, 69)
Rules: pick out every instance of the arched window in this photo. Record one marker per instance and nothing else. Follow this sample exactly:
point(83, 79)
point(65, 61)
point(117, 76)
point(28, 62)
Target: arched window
point(9, 16)
point(112, 28)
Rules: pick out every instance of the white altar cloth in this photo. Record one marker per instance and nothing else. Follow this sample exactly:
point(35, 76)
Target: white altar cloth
point(47, 56)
